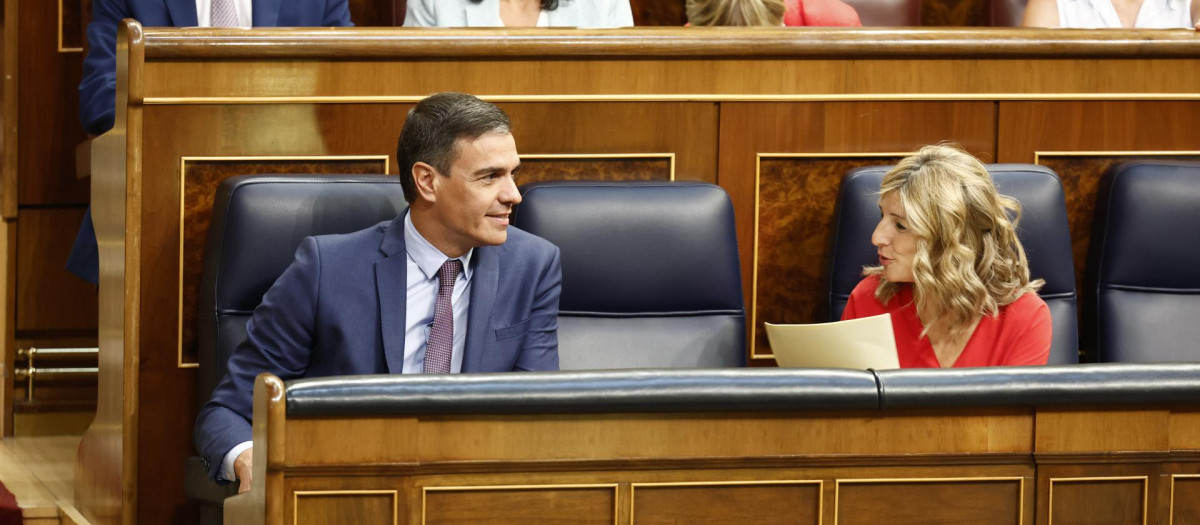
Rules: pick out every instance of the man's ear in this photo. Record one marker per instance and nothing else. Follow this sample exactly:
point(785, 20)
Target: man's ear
point(423, 178)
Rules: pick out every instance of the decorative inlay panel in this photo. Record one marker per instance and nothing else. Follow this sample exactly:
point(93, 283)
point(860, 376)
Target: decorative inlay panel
point(758, 502)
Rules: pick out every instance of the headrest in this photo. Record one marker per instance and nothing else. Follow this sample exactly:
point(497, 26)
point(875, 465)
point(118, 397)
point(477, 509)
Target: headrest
point(259, 221)
point(1043, 228)
point(638, 247)
point(1149, 235)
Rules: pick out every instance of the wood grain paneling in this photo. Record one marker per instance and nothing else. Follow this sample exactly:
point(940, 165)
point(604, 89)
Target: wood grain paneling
point(530, 504)
point(48, 110)
point(749, 502)
point(201, 176)
point(602, 169)
point(319, 507)
point(70, 18)
point(1185, 499)
point(658, 12)
point(1076, 430)
point(376, 13)
point(918, 501)
point(1098, 501)
point(954, 12)
point(49, 298)
point(835, 135)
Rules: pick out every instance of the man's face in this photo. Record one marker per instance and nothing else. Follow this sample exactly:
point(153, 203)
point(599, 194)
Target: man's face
point(474, 200)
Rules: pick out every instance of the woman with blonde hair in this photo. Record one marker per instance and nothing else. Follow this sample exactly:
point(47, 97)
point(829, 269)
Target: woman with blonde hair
point(771, 13)
point(952, 273)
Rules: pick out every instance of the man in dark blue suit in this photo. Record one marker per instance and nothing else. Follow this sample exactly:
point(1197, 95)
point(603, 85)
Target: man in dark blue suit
point(446, 287)
point(97, 90)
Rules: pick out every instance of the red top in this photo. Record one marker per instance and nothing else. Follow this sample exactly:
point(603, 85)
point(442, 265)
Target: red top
point(1018, 335)
point(820, 13)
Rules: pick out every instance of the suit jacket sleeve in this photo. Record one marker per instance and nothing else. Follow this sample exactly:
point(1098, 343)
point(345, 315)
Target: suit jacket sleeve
point(279, 339)
point(97, 90)
point(337, 14)
point(541, 343)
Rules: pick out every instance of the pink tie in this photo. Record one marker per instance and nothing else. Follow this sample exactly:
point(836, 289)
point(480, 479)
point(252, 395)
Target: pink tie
point(440, 345)
point(224, 13)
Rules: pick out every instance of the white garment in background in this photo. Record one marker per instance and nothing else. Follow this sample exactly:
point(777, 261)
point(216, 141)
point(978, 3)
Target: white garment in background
point(1154, 14)
point(584, 14)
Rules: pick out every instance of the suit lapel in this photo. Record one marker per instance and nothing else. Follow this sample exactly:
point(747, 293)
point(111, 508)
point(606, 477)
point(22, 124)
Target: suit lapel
point(391, 284)
point(183, 13)
point(484, 284)
point(265, 13)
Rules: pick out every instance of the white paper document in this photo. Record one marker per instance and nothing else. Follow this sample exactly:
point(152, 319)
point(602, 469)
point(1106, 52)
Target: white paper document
point(858, 343)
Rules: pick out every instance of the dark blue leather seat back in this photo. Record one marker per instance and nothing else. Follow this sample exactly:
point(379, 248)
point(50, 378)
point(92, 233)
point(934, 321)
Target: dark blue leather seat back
point(257, 223)
point(1148, 263)
point(1042, 230)
point(650, 273)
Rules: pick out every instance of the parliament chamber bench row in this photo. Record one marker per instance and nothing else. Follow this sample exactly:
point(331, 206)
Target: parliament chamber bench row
point(651, 280)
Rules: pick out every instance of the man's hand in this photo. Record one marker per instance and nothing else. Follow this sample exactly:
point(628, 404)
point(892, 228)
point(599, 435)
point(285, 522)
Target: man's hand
point(242, 466)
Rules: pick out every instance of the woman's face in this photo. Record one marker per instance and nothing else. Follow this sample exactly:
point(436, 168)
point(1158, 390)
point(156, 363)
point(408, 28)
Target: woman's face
point(894, 242)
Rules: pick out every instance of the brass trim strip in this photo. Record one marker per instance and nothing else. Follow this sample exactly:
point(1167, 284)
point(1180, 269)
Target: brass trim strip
point(183, 160)
point(819, 483)
point(62, 49)
point(987, 479)
point(1037, 155)
point(468, 488)
point(673, 97)
point(1145, 492)
point(670, 157)
point(757, 202)
point(1171, 505)
point(307, 493)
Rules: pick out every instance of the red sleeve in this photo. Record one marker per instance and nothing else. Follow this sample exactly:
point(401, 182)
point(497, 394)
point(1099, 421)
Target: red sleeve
point(1032, 344)
point(849, 312)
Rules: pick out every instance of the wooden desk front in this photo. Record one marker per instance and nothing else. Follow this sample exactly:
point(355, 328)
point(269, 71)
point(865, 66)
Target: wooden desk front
point(774, 116)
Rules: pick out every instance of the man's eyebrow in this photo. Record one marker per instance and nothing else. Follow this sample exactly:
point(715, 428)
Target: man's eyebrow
point(493, 169)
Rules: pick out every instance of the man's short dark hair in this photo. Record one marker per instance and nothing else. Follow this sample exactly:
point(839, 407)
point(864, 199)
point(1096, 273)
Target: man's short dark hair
point(433, 126)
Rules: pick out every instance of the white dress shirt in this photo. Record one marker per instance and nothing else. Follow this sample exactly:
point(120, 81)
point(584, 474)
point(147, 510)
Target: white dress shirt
point(1154, 14)
point(244, 13)
point(424, 260)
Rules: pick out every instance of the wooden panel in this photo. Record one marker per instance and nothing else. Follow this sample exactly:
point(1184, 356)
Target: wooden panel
point(547, 504)
point(201, 176)
point(376, 13)
point(916, 501)
point(799, 194)
point(658, 12)
point(1098, 501)
point(1185, 499)
point(795, 234)
point(1076, 430)
point(48, 297)
point(748, 502)
point(48, 110)
point(605, 169)
point(1185, 429)
point(954, 12)
point(350, 506)
point(70, 30)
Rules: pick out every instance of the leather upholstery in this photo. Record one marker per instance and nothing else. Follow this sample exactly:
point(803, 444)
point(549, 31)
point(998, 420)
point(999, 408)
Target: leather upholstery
point(1042, 230)
point(1147, 260)
point(650, 273)
point(736, 390)
point(575, 392)
point(888, 13)
point(257, 224)
point(1099, 384)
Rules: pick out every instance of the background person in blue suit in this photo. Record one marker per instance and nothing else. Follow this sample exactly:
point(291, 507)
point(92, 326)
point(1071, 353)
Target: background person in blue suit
point(97, 90)
point(376, 301)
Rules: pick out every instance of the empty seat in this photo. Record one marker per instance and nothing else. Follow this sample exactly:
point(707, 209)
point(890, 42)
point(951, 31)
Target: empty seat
point(1146, 254)
point(650, 273)
point(1043, 232)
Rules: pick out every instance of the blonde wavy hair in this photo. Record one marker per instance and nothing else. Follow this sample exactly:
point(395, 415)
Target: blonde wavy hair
point(735, 12)
point(969, 261)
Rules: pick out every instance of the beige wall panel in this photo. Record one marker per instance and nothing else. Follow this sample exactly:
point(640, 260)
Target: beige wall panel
point(701, 504)
point(974, 501)
point(531, 504)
